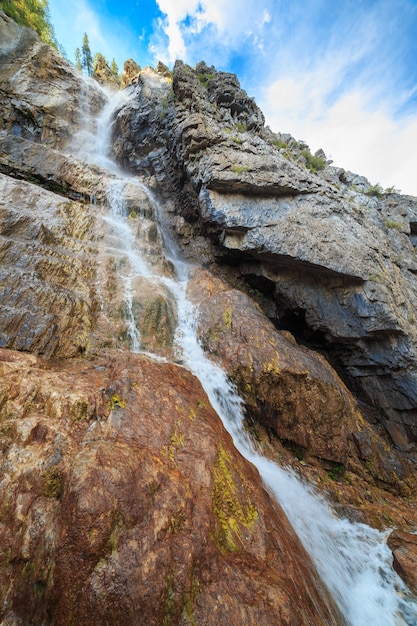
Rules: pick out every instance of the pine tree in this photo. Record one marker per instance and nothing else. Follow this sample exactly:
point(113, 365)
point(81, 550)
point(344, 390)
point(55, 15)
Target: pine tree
point(114, 68)
point(86, 57)
point(33, 14)
point(78, 63)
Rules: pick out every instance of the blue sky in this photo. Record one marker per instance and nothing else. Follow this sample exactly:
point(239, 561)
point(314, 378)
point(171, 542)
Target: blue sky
point(341, 76)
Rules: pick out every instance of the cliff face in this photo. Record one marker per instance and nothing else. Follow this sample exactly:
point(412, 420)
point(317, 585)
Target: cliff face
point(121, 492)
point(335, 256)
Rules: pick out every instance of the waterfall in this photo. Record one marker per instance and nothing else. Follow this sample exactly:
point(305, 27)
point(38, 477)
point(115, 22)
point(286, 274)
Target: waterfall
point(352, 559)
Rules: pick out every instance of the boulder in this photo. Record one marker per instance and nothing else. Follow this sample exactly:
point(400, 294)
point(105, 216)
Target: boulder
point(404, 550)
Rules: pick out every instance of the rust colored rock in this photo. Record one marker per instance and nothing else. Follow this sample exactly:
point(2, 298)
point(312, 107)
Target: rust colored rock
point(287, 387)
point(124, 501)
point(404, 550)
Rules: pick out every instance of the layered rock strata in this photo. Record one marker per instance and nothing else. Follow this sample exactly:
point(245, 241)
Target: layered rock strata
point(335, 256)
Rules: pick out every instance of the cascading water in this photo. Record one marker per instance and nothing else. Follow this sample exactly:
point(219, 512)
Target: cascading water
point(352, 559)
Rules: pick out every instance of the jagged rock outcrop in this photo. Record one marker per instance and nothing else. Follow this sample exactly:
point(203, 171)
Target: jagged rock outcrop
point(335, 255)
point(104, 75)
point(130, 72)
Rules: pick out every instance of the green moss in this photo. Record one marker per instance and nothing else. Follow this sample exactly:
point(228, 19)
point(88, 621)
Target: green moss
point(227, 317)
point(190, 598)
point(393, 224)
point(241, 127)
point(239, 169)
point(231, 504)
point(52, 483)
point(169, 604)
point(376, 278)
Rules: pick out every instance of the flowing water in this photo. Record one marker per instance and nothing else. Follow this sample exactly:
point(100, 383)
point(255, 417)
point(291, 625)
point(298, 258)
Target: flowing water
point(352, 559)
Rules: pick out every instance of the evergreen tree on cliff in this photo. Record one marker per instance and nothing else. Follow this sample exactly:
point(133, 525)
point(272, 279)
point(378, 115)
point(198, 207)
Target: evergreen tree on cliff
point(78, 63)
point(86, 56)
point(33, 14)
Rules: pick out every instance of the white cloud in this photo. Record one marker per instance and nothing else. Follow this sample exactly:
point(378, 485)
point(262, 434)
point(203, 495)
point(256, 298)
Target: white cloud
point(367, 141)
point(232, 22)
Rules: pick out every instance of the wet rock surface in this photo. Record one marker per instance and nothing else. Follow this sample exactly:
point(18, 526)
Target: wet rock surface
point(404, 549)
point(122, 495)
point(47, 270)
point(290, 389)
point(335, 255)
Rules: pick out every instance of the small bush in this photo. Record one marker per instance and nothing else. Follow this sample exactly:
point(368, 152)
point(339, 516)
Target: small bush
point(205, 79)
point(375, 190)
point(313, 163)
point(393, 224)
point(279, 144)
point(241, 127)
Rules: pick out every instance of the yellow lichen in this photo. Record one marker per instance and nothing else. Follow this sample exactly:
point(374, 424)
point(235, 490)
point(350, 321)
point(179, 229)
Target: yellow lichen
point(176, 442)
point(231, 503)
point(227, 317)
point(116, 402)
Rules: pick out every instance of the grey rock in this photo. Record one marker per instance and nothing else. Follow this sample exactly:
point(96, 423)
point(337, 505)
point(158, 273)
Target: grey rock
point(337, 255)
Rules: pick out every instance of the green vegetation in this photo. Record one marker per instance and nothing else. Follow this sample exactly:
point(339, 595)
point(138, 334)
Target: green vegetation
point(114, 68)
point(375, 190)
point(375, 278)
point(336, 473)
point(241, 127)
point(239, 169)
point(86, 57)
point(278, 143)
point(393, 224)
point(205, 78)
point(232, 505)
point(52, 483)
point(33, 14)
point(313, 163)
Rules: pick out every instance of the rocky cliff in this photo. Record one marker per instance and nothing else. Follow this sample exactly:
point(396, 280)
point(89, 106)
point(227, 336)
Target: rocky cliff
point(123, 499)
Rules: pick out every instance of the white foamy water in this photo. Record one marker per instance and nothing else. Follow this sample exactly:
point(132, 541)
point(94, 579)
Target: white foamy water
point(352, 559)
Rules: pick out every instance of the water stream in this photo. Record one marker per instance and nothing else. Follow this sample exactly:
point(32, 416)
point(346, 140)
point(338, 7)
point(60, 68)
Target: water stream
point(352, 559)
